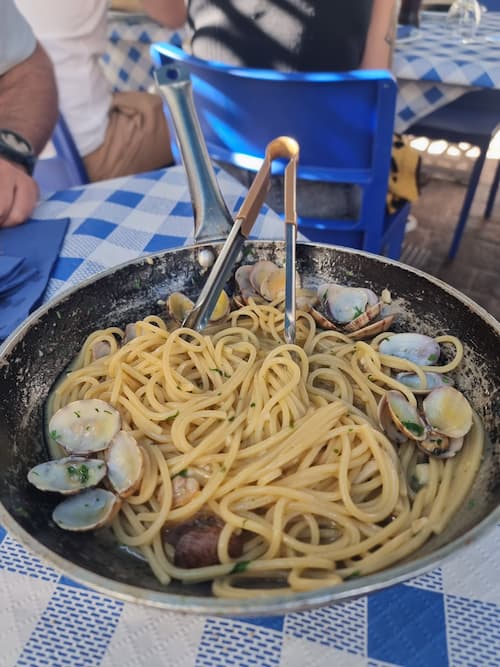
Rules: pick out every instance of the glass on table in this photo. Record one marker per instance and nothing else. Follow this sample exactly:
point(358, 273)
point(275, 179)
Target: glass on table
point(463, 18)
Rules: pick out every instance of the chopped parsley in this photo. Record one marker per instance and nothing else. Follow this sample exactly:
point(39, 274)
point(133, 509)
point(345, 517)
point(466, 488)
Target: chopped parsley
point(337, 451)
point(220, 372)
point(97, 409)
point(108, 412)
point(58, 315)
point(432, 358)
point(252, 405)
point(415, 483)
point(231, 419)
point(77, 414)
point(137, 283)
point(80, 472)
point(292, 424)
point(353, 575)
point(182, 473)
point(173, 416)
point(240, 567)
point(54, 435)
point(357, 312)
point(471, 504)
point(222, 467)
point(416, 429)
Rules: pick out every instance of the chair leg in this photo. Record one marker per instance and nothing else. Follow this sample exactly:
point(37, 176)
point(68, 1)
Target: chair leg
point(469, 196)
point(493, 192)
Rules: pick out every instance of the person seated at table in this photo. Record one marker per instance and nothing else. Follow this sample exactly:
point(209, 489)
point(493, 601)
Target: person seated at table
point(116, 134)
point(28, 113)
point(301, 35)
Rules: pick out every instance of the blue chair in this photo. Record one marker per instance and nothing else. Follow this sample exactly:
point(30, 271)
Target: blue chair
point(342, 121)
point(66, 168)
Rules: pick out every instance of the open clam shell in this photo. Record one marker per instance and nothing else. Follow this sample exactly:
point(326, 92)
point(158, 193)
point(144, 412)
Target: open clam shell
point(448, 412)
point(68, 475)
point(433, 380)
point(260, 272)
point(179, 306)
point(418, 348)
point(404, 416)
point(88, 510)
point(125, 461)
point(85, 427)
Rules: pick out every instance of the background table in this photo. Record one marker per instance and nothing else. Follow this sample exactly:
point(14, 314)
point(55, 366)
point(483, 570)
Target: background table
point(435, 68)
point(127, 63)
point(450, 616)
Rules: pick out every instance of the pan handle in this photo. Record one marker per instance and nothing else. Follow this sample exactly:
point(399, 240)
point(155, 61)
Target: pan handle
point(212, 219)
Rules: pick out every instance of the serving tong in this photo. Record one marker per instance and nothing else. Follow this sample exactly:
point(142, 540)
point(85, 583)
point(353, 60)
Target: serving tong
point(211, 213)
point(281, 147)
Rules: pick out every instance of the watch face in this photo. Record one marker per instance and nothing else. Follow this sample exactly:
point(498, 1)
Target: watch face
point(15, 142)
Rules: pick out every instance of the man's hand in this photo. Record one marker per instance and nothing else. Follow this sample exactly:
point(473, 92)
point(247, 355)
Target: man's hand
point(18, 194)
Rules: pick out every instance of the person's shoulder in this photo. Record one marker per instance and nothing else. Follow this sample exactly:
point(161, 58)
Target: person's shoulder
point(17, 41)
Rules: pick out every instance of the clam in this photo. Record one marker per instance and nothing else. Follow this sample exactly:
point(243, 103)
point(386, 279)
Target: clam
point(352, 309)
point(448, 412)
point(179, 306)
point(440, 446)
point(260, 272)
point(387, 425)
point(273, 285)
point(395, 410)
point(87, 510)
point(85, 427)
point(130, 332)
point(100, 349)
point(418, 348)
point(221, 308)
point(68, 475)
point(374, 328)
point(433, 380)
point(125, 461)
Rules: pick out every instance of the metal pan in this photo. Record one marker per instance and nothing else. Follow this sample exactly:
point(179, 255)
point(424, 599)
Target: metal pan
point(37, 353)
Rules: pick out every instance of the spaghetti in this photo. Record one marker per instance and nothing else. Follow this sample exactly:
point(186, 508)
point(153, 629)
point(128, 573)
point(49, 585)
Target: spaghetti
point(278, 443)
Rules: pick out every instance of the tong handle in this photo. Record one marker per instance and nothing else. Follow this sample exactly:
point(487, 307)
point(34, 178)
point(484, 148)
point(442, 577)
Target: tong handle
point(284, 147)
point(212, 219)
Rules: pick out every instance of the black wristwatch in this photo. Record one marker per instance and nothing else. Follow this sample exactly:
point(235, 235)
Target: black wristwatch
point(17, 149)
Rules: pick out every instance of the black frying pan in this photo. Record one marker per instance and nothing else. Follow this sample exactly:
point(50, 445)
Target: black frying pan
point(33, 357)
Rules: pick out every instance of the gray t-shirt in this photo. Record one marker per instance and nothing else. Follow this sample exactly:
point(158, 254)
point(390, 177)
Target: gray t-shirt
point(17, 41)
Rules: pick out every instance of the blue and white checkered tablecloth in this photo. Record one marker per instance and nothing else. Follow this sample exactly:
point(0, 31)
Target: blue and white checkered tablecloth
point(450, 616)
point(435, 67)
point(126, 62)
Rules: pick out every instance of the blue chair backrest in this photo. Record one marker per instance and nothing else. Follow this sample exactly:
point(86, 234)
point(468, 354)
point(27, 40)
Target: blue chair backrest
point(342, 121)
point(66, 168)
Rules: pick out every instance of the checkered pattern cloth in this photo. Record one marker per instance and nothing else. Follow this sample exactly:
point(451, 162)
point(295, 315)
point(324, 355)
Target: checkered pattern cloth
point(435, 68)
point(127, 63)
point(450, 616)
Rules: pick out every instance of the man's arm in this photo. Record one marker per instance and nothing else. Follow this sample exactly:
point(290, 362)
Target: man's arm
point(381, 35)
point(28, 105)
point(171, 13)
point(28, 99)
